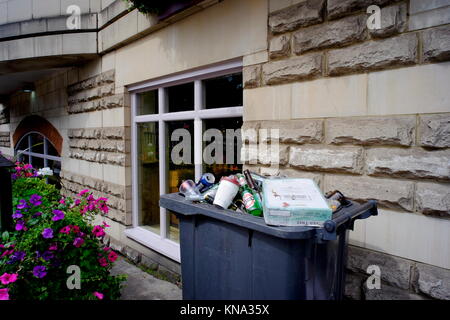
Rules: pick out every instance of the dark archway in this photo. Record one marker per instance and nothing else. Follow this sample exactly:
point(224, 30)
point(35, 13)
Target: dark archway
point(38, 124)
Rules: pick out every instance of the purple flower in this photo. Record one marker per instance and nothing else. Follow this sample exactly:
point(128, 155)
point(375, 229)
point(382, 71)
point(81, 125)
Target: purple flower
point(58, 215)
point(78, 242)
point(20, 225)
point(35, 200)
point(22, 204)
point(17, 214)
point(14, 176)
point(47, 233)
point(16, 256)
point(39, 271)
point(47, 255)
point(37, 214)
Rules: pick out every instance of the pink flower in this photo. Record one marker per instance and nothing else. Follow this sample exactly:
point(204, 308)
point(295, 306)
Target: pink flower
point(4, 294)
point(82, 192)
point(7, 278)
point(27, 166)
point(62, 201)
point(112, 256)
point(103, 262)
point(75, 229)
point(106, 225)
point(98, 231)
point(53, 247)
point(98, 295)
point(106, 248)
point(78, 242)
point(65, 230)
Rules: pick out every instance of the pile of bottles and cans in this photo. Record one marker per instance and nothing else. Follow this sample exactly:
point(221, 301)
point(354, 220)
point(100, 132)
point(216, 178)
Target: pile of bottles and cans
point(241, 192)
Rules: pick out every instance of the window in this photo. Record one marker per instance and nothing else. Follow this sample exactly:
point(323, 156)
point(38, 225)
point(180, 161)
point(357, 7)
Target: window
point(169, 113)
point(37, 150)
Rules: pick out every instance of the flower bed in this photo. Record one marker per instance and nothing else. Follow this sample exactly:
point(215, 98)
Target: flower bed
point(55, 251)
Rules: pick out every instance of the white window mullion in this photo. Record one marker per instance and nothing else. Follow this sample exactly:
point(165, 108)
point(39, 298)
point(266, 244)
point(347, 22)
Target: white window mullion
point(199, 104)
point(45, 152)
point(29, 149)
point(163, 216)
point(134, 159)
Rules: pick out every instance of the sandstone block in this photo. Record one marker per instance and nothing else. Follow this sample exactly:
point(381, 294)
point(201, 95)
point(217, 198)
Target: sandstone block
point(333, 34)
point(433, 198)
point(373, 55)
point(328, 159)
point(435, 130)
point(436, 44)
point(251, 76)
point(433, 281)
point(393, 21)
point(339, 8)
point(391, 194)
point(249, 132)
point(280, 46)
point(307, 66)
point(296, 131)
point(409, 163)
point(387, 292)
point(395, 271)
point(371, 131)
point(302, 14)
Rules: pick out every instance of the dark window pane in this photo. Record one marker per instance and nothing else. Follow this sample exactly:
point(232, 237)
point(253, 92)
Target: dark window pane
point(147, 102)
point(38, 163)
point(225, 91)
point(23, 145)
point(148, 176)
point(51, 151)
point(230, 162)
point(181, 162)
point(37, 143)
point(179, 169)
point(181, 97)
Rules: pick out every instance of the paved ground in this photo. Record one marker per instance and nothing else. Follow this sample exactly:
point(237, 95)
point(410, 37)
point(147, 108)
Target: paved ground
point(143, 286)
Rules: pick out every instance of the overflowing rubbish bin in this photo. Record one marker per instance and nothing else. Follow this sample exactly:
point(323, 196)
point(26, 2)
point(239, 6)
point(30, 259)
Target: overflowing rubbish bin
point(227, 254)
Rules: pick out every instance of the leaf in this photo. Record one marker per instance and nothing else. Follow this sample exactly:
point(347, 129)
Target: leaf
point(5, 236)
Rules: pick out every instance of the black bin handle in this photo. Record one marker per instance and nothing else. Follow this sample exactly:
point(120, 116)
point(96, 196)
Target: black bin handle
point(351, 213)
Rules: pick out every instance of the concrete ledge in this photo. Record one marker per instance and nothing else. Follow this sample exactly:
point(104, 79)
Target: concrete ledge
point(51, 45)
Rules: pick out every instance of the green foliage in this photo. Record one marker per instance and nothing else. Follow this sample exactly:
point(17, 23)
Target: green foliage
point(53, 234)
point(25, 187)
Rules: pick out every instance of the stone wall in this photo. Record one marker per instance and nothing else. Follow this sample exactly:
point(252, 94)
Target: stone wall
point(315, 88)
point(5, 141)
point(98, 145)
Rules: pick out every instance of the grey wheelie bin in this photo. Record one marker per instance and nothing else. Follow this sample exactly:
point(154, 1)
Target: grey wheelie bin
point(227, 255)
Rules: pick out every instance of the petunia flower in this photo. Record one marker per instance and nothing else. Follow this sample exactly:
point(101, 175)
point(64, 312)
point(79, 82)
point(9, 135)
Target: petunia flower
point(112, 256)
point(75, 229)
point(99, 295)
point(39, 271)
point(78, 242)
point(4, 294)
point(103, 262)
point(62, 201)
point(47, 233)
point(53, 247)
point(47, 255)
point(8, 278)
point(22, 204)
point(82, 192)
point(20, 225)
point(36, 200)
point(58, 215)
point(17, 214)
point(65, 230)
point(98, 231)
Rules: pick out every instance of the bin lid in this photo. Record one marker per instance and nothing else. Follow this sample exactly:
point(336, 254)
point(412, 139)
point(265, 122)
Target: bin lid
point(178, 204)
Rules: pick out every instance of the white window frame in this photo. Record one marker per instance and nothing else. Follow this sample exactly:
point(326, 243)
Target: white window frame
point(31, 154)
point(161, 243)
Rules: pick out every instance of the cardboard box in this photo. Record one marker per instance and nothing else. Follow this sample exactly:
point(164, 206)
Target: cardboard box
point(294, 202)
